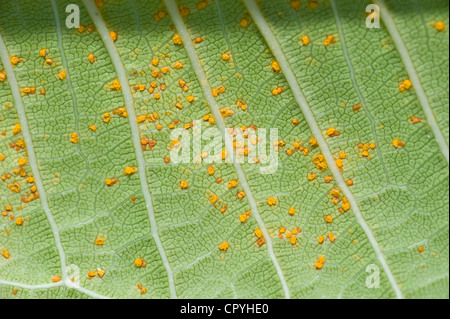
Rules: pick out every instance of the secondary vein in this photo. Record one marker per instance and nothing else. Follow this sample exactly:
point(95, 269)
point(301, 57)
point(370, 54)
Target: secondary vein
point(413, 77)
point(201, 76)
point(355, 85)
point(25, 286)
point(274, 46)
point(66, 69)
point(126, 91)
point(31, 153)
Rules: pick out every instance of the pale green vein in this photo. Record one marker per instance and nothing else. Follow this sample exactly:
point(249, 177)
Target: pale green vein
point(15, 91)
point(355, 85)
point(266, 32)
point(225, 35)
point(126, 90)
point(52, 285)
point(66, 68)
point(413, 77)
point(64, 61)
point(201, 76)
point(25, 286)
point(89, 292)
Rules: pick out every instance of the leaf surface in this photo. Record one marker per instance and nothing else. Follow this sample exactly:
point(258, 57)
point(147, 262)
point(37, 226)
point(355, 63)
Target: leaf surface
point(224, 53)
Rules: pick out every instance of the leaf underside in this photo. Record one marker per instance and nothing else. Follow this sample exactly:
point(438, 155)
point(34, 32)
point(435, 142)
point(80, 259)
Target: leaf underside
point(401, 194)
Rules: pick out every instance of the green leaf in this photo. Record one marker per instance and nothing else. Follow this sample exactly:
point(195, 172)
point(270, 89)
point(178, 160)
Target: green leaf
point(76, 224)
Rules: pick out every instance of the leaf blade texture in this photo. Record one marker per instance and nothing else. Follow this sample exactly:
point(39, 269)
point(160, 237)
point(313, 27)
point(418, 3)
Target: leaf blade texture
point(93, 207)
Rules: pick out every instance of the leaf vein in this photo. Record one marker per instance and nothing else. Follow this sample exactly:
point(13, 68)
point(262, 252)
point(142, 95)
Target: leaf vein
point(355, 85)
point(199, 72)
point(126, 91)
point(413, 76)
point(268, 35)
point(15, 91)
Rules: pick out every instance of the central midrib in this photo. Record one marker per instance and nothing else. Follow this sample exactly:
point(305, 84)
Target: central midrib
point(201, 76)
